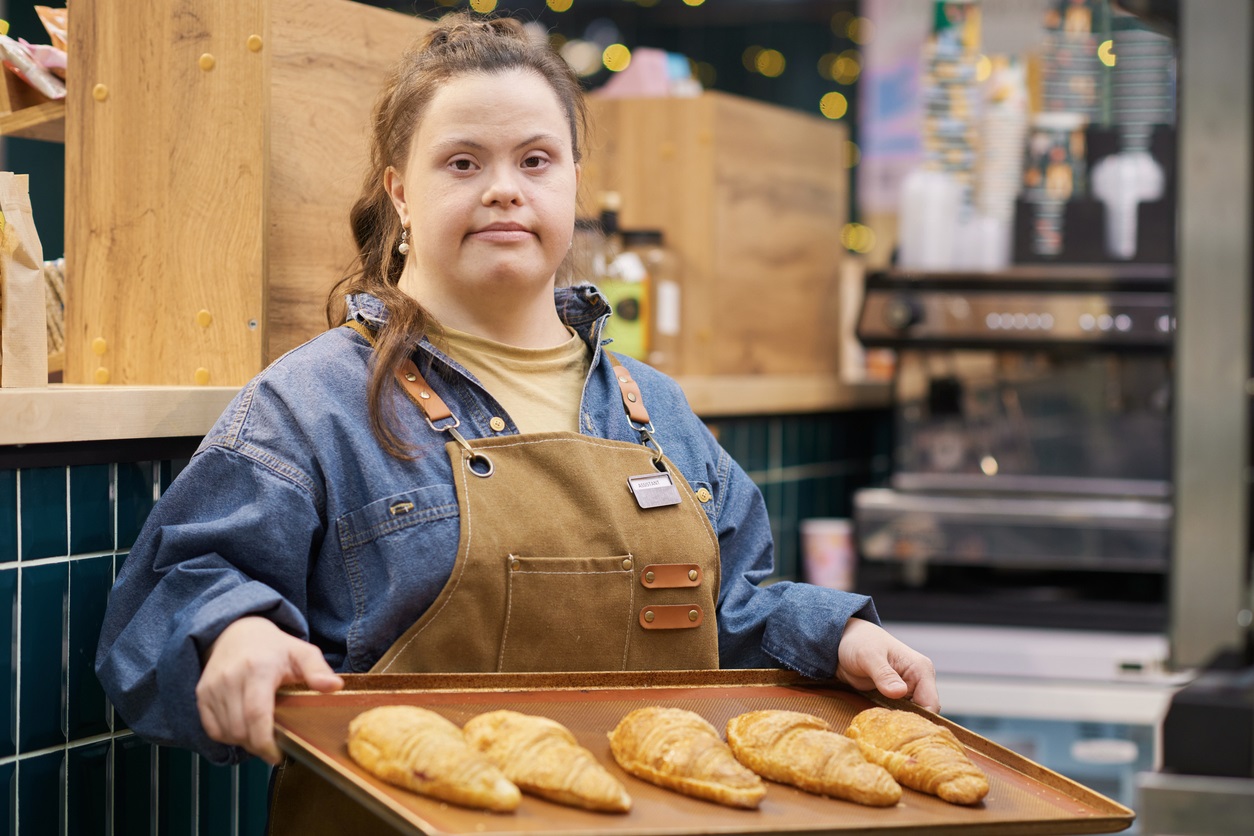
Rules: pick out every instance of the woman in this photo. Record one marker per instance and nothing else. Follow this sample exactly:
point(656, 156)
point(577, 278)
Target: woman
point(463, 478)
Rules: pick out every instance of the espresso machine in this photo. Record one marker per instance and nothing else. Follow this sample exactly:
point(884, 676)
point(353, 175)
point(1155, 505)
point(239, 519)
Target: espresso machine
point(1031, 481)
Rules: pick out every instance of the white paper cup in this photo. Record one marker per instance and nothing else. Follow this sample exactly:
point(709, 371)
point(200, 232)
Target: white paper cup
point(827, 552)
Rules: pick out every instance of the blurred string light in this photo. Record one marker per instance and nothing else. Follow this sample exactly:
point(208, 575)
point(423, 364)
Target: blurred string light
point(584, 57)
point(559, 5)
point(983, 68)
point(856, 237)
point(853, 154)
point(770, 62)
point(705, 73)
point(557, 40)
point(749, 58)
point(616, 58)
point(691, 2)
point(833, 105)
point(483, 7)
point(840, 23)
point(1106, 53)
point(860, 30)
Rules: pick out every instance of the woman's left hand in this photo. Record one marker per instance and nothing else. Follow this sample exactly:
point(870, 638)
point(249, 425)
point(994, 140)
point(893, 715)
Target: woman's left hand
point(870, 658)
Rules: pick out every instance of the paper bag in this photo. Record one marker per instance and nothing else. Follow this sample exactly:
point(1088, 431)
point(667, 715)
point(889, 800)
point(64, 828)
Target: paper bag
point(23, 306)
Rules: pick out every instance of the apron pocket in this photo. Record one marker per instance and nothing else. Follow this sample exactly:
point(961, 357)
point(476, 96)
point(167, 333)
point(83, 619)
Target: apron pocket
point(567, 613)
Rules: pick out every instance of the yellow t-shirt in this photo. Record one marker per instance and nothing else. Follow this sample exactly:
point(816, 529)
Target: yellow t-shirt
point(539, 388)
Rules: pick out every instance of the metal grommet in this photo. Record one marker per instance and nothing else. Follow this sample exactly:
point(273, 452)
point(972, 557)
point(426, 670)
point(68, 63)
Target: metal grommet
point(648, 577)
point(649, 616)
point(483, 474)
point(692, 574)
point(692, 615)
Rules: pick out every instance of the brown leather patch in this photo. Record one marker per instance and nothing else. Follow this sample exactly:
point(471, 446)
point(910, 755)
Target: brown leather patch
point(671, 617)
point(670, 575)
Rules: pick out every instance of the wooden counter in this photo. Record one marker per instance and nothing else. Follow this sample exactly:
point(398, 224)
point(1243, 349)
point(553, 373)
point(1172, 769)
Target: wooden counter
point(65, 412)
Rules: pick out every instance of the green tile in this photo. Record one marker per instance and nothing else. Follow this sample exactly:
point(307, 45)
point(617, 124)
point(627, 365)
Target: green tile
point(91, 511)
point(254, 797)
point(170, 469)
point(757, 453)
point(43, 493)
point(40, 788)
point(176, 791)
point(8, 792)
point(132, 786)
point(87, 787)
point(8, 690)
point(135, 484)
point(215, 797)
point(8, 516)
point(88, 708)
point(43, 597)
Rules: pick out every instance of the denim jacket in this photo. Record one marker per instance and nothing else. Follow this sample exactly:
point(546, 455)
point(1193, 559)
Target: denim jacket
point(283, 512)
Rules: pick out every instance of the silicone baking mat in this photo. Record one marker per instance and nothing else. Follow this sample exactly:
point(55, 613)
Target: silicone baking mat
point(1024, 797)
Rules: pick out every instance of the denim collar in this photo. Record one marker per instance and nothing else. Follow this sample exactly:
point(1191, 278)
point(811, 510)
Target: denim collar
point(581, 307)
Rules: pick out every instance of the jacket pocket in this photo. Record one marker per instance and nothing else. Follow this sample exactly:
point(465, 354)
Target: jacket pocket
point(395, 513)
point(567, 614)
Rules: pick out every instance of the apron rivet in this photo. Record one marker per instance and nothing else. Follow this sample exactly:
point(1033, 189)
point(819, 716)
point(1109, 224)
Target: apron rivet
point(515, 565)
point(692, 574)
point(648, 576)
point(631, 396)
point(622, 380)
point(692, 615)
point(424, 395)
point(411, 377)
point(626, 562)
point(648, 616)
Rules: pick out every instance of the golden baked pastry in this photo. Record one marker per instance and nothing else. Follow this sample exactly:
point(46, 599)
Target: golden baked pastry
point(802, 750)
point(681, 751)
point(542, 757)
point(421, 751)
point(919, 754)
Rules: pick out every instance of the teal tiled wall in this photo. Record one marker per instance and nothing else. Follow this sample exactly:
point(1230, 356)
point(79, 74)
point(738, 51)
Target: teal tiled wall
point(68, 761)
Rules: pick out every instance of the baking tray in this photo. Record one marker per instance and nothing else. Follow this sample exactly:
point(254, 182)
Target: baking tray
point(1024, 797)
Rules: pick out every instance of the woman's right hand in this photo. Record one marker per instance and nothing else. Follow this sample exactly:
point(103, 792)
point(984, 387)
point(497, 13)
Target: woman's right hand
point(245, 666)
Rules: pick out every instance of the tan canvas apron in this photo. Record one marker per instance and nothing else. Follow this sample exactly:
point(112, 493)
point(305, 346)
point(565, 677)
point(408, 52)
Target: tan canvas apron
point(558, 568)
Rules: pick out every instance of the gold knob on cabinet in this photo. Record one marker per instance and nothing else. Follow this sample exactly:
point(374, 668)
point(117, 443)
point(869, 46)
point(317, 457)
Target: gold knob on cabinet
point(206, 62)
point(99, 346)
point(100, 92)
point(203, 318)
point(254, 43)
point(102, 375)
point(202, 376)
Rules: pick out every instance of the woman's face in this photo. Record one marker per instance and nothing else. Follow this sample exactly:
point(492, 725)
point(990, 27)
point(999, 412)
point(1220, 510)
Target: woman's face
point(489, 187)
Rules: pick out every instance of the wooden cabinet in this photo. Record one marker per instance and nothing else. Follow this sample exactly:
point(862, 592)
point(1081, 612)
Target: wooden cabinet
point(752, 198)
point(213, 151)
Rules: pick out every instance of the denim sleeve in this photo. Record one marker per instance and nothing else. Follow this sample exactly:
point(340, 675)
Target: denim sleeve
point(229, 538)
point(796, 625)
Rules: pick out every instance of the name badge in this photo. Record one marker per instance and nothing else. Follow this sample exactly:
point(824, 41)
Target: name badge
point(653, 490)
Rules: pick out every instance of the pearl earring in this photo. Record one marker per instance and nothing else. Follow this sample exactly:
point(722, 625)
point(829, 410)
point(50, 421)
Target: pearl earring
point(403, 247)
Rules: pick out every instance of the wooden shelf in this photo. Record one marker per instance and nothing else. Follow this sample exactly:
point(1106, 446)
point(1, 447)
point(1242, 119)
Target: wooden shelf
point(43, 121)
point(722, 396)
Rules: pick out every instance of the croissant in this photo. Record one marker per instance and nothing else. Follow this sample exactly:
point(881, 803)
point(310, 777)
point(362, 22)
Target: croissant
point(542, 757)
point(681, 751)
point(919, 754)
point(422, 752)
point(802, 750)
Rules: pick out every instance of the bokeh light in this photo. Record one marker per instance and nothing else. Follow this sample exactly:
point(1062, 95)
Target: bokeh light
point(770, 62)
point(853, 154)
point(483, 7)
point(861, 30)
point(616, 58)
point(559, 5)
point(833, 105)
point(857, 237)
point(1106, 53)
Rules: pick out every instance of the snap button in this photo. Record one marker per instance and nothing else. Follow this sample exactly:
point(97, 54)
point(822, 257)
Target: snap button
point(692, 615)
point(648, 616)
point(410, 376)
point(692, 574)
point(515, 565)
point(497, 424)
point(704, 495)
point(626, 562)
point(649, 576)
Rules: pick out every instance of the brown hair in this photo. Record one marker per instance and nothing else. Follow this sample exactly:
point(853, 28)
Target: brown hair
point(459, 44)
